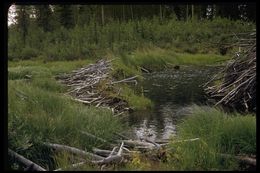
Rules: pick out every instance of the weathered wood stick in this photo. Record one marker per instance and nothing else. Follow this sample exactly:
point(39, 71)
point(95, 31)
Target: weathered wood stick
point(112, 152)
point(112, 158)
point(135, 143)
point(127, 79)
point(102, 152)
point(154, 143)
point(120, 149)
point(74, 150)
point(106, 153)
point(25, 161)
point(162, 141)
point(187, 140)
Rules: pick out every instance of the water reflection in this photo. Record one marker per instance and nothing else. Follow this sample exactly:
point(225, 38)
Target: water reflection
point(172, 91)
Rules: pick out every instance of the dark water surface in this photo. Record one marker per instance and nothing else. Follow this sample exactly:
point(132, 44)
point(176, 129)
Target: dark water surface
point(172, 92)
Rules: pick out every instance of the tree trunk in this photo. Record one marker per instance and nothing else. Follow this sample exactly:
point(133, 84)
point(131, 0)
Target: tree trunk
point(25, 161)
point(187, 12)
point(132, 14)
point(102, 15)
point(192, 12)
point(161, 17)
point(123, 12)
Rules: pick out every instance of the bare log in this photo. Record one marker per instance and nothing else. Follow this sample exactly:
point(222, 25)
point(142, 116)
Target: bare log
point(112, 158)
point(134, 143)
point(243, 159)
point(154, 143)
point(103, 152)
point(74, 151)
point(25, 161)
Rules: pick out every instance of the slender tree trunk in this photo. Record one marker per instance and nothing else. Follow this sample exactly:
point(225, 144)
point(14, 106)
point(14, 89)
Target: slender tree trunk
point(161, 17)
point(102, 15)
point(123, 13)
point(132, 14)
point(187, 12)
point(192, 12)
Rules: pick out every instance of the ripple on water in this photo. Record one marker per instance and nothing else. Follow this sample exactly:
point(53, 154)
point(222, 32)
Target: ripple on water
point(172, 93)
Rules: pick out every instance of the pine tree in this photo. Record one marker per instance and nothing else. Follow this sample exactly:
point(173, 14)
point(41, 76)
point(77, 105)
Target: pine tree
point(22, 19)
point(65, 15)
point(44, 17)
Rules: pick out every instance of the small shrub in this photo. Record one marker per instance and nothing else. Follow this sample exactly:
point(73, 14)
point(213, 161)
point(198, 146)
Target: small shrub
point(28, 53)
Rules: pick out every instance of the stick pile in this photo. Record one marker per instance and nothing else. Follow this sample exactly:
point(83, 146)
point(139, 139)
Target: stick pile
point(93, 85)
point(238, 79)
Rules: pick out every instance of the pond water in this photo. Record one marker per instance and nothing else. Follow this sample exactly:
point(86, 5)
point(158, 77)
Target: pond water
point(172, 92)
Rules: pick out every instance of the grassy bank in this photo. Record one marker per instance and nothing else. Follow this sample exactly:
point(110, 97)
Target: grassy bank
point(219, 132)
point(155, 59)
point(38, 111)
point(37, 114)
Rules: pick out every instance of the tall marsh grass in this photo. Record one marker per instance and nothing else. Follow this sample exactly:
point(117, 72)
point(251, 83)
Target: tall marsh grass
point(219, 133)
point(36, 115)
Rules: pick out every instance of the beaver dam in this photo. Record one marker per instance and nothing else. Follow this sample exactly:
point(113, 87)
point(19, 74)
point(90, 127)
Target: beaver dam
point(93, 85)
point(237, 89)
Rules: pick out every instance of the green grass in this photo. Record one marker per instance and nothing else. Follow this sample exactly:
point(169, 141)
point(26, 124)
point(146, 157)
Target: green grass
point(136, 101)
point(38, 111)
point(55, 67)
point(155, 59)
point(200, 59)
point(200, 36)
point(219, 133)
point(37, 115)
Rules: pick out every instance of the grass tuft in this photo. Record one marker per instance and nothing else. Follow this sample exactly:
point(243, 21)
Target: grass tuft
point(219, 133)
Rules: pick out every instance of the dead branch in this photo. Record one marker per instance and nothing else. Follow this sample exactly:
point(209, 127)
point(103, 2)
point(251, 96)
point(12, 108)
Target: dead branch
point(186, 140)
point(112, 158)
point(25, 161)
point(126, 80)
point(74, 151)
point(134, 143)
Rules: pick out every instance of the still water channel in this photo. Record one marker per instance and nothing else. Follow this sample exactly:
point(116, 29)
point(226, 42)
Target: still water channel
point(172, 92)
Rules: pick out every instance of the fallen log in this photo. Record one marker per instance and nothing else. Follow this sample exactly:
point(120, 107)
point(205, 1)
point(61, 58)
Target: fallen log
point(26, 162)
point(243, 159)
point(112, 158)
point(135, 143)
point(74, 151)
point(101, 152)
